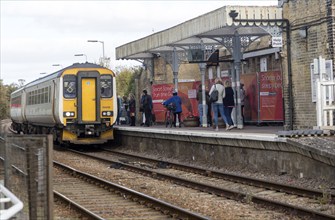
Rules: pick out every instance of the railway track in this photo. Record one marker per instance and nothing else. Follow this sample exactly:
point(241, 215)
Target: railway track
point(209, 183)
point(215, 207)
point(100, 199)
point(289, 189)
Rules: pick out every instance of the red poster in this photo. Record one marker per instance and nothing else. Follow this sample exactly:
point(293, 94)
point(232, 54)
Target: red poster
point(186, 91)
point(251, 97)
point(271, 96)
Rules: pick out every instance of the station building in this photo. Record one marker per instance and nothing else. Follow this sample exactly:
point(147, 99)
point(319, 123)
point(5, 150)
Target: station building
point(279, 47)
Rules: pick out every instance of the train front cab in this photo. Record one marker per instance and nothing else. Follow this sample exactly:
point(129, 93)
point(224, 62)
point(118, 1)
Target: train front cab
point(89, 103)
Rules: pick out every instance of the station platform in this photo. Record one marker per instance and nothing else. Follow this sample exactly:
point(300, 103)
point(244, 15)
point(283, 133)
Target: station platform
point(259, 147)
point(248, 132)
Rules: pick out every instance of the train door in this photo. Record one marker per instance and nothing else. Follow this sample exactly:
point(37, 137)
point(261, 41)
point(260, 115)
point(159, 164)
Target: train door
point(89, 104)
point(88, 107)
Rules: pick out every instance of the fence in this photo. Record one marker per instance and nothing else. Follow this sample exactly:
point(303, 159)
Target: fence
point(27, 162)
point(325, 104)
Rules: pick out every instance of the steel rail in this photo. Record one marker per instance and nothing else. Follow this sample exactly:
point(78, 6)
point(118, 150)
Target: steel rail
point(232, 194)
point(78, 207)
point(174, 211)
point(310, 193)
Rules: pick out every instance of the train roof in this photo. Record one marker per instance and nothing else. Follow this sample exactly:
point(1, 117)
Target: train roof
point(59, 72)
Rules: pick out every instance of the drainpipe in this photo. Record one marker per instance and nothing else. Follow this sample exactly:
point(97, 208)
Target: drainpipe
point(331, 16)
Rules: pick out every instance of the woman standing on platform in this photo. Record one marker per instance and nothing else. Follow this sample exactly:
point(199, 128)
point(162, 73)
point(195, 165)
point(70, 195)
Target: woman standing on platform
point(132, 109)
point(229, 104)
point(218, 105)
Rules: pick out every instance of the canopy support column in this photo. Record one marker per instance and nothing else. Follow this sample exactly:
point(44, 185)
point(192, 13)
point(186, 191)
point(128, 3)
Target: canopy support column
point(202, 67)
point(237, 55)
point(175, 68)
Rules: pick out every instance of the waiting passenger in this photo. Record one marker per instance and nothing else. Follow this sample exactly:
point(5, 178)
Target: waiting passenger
point(119, 110)
point(132, 109)
point(177, 113)
point(218, 105)
point(229, 104)
point(242, 101)
point(146, 105)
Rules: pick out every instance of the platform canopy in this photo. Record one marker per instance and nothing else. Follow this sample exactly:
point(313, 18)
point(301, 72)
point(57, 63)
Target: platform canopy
point(211, 28)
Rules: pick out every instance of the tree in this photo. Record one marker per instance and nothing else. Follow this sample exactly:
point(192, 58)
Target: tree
point(125, 80)
point(5, 91)
point(3, 102)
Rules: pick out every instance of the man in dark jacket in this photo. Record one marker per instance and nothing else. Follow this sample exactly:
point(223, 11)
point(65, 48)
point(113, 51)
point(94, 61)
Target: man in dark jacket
point(229, 104)
point(146, 105)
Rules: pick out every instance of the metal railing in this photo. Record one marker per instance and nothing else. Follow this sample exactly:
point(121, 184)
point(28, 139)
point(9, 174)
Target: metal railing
point(6, 198)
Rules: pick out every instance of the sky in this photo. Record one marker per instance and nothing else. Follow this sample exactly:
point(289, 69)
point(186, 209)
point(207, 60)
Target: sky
point(41, 37)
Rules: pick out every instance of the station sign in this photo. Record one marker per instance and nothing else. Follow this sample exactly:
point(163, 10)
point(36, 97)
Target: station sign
point(277, 42)
point(195, 55)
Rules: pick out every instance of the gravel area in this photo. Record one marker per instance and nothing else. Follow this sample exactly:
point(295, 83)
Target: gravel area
point(319, 184)
point(63, 212)
point(209, 205)
point(323, 143)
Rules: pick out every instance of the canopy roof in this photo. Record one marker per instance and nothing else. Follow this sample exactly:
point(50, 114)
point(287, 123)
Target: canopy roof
point(210, 29)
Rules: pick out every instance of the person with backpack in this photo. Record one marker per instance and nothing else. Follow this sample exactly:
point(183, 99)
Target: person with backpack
point(175, 100)
point(217, 106)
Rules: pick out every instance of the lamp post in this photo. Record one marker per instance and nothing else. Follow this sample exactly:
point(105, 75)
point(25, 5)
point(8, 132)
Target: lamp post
point(103, 47)
point(80, 55)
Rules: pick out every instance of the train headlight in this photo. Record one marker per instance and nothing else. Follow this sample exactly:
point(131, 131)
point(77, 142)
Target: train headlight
point(107, 113)
point(68, 114)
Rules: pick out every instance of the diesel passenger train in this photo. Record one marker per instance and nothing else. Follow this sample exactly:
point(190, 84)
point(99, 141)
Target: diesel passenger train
point(77, 104)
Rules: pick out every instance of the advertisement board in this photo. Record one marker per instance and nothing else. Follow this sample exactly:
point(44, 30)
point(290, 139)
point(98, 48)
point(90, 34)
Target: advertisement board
point(263, 101)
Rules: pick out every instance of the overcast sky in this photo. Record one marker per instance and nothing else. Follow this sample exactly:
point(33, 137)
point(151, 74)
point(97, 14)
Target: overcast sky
point(35, 35)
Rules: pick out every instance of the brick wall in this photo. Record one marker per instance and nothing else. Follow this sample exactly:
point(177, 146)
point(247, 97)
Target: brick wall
point(311, 15)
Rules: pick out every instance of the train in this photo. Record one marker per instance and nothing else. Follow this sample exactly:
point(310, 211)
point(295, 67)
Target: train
point(77, 105)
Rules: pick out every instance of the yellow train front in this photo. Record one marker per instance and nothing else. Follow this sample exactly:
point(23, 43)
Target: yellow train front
point(77, 104)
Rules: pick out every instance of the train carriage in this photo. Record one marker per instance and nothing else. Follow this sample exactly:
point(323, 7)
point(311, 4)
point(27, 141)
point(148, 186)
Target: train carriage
point(77, 104)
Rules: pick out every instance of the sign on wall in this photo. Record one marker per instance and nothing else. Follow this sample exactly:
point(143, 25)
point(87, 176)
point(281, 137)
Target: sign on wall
point(277, 42)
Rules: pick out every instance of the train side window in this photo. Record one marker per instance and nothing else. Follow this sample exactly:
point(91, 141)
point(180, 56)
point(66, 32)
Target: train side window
point(33, 102)
point(28, 99)
point(106, 86)
point(39, 96)
point(45, 94)
point(70, 86)
point(49, 94)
